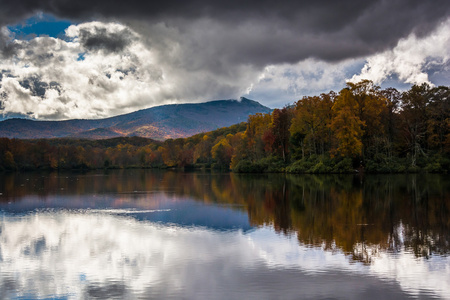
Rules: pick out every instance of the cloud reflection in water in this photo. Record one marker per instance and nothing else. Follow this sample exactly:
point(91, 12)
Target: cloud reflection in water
point(99, 254)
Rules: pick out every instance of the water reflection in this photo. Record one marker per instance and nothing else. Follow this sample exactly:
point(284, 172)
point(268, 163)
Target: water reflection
point(81, 255)
point(142, 234)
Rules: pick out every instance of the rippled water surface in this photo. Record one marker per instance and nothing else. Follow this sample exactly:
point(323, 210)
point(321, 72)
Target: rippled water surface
point(136, 234)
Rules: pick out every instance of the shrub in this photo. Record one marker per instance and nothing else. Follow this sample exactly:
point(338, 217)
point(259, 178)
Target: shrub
point(245, 166)
point(344, 166)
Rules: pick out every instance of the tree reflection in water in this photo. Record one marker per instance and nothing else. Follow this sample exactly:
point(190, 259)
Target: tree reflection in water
point(361, 215)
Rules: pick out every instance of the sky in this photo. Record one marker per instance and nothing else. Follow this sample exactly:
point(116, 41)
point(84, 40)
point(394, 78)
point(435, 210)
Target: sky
point(94, 59)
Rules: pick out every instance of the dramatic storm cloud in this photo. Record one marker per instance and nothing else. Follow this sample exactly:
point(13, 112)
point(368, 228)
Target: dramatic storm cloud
point(100, 70)
point(192, 51)
point(411, 59)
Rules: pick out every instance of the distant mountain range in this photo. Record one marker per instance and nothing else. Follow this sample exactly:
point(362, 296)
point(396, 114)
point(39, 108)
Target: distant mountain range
point(160, 123)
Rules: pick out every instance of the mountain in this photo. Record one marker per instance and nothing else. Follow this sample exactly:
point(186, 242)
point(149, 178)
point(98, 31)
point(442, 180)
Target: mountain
point(160, 123)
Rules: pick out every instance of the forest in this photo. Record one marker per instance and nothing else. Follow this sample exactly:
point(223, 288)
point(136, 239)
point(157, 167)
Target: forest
point(361, 128)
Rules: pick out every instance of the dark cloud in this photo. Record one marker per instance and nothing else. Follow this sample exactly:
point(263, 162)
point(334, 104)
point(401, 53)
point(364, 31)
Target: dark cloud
point(199, 50)
point(35, 85)
point(55, 86)
point(8, 47)
point(286, 31)
point(106, 41)
point(125, 72)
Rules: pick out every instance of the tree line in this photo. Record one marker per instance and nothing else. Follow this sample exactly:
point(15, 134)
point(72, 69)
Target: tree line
point(363, 127)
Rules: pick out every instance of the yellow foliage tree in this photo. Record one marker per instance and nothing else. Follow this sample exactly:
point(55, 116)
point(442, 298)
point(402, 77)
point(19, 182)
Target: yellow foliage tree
point(312, 116)
point(222, 152)
point(346, 125)
point(256, 126)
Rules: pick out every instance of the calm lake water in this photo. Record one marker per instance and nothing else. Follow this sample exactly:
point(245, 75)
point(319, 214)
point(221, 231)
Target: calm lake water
point(141, 234)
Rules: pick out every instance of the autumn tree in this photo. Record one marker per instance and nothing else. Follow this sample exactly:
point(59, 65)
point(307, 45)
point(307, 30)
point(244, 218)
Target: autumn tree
point(390, 118)
point(414, 120)
point(186, 156)
point(8, 161)
point(281, 122)
point(202, 152)
point(239, 144)
point(438, 123)
point(257, 125)
point(310, 123)
point(346, 125)
point(222, 152)
point(369, 107)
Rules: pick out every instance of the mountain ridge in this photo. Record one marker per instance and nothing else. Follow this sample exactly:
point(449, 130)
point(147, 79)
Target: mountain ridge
point(159, 122)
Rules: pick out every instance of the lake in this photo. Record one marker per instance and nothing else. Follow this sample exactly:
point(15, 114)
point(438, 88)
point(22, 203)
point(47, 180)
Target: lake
point(143, 234)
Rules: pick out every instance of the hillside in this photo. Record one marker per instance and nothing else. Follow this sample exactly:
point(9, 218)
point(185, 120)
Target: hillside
point(161, 122)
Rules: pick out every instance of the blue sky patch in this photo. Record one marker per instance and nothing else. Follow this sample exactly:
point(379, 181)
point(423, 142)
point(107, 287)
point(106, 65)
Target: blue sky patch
point(81, 56)
point(40, 24)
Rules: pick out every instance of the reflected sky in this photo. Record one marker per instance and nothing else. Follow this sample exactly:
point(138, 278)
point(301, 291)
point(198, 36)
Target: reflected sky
point(200, 240)
point(156, 207)
point(102, 255)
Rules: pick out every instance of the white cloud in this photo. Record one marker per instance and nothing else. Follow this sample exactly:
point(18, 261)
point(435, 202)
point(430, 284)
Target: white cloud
point(286, 83)
point(411, 60)
point(79, 83)
point(105, 69)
